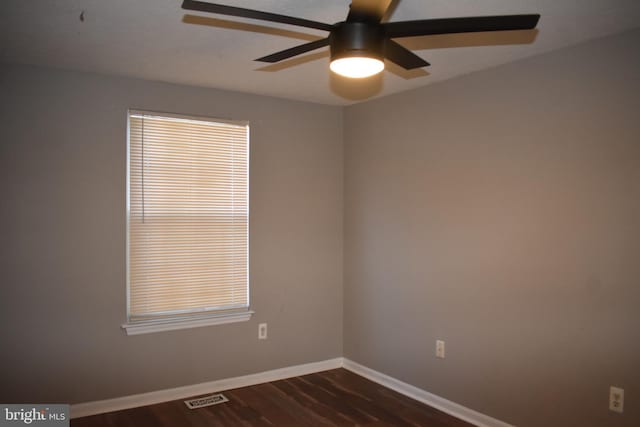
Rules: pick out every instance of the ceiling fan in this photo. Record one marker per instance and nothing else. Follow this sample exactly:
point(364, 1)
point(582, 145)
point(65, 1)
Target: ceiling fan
point(360, 44)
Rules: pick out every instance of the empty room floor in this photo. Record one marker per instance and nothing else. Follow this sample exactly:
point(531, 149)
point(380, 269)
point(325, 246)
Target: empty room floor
point(331, 398)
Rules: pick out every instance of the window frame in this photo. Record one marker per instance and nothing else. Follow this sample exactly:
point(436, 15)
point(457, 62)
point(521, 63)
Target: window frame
point(195, 318)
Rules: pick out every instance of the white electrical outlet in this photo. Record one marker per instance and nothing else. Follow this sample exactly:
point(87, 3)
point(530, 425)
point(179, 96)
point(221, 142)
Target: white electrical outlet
point(616, 399)
point(440, 349)
point(262, 331)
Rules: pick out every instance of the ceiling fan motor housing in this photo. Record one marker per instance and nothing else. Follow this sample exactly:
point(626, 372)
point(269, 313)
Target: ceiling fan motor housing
point(357, 39)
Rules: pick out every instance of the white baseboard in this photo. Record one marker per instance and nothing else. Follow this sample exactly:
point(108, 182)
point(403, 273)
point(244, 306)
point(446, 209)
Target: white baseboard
point(451, 408)
point(143, 399)
point(159, 396)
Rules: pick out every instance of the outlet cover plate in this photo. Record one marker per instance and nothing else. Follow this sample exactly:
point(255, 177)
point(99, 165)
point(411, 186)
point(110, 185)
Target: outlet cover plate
point(616, 399)
point(262, 331)
point(440, 349)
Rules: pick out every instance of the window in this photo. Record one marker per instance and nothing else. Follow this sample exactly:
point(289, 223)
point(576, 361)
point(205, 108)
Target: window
point(187, 222)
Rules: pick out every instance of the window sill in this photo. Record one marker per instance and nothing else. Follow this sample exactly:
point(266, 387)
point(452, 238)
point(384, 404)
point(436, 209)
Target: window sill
point(160, 325)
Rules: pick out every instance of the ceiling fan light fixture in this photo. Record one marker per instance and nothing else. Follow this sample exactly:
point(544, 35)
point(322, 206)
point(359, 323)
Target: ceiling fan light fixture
point(357, 67)
point(357, 49)
point(359, 45)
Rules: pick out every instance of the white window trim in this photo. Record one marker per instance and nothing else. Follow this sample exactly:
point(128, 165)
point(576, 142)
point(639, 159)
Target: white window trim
point(185, 322)
point(192, 320)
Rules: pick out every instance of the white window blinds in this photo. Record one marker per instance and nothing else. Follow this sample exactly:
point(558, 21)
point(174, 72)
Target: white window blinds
point(187, 216)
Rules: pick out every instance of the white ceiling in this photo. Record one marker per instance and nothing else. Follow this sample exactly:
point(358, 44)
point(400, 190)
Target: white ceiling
point(157, 40)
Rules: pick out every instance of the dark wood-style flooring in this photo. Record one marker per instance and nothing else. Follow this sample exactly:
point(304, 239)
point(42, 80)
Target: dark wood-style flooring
point(331, 398)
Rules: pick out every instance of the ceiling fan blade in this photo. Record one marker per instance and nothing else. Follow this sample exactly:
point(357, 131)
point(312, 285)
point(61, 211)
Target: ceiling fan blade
point(402, 56)
point(253, 14)
point(367, 10)
point(460, 25)
point(297, 50)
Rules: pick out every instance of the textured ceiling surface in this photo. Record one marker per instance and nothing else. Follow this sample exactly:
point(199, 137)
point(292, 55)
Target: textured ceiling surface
point(157, 40)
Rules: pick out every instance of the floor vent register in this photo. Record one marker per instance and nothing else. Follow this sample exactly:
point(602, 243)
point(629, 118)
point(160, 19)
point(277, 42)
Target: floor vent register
point(201, 402)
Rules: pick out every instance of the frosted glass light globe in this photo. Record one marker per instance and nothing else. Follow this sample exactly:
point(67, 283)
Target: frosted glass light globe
point(356, 66)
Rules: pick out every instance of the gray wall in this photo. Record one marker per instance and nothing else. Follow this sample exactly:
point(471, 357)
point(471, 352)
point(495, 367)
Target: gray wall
point(500, 212)
point(62, 181)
